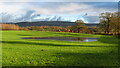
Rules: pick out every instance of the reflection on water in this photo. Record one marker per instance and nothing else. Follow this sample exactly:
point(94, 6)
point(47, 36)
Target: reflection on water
point(63, 38)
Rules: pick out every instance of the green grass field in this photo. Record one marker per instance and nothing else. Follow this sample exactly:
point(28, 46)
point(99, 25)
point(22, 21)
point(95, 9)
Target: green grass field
point(30, 52)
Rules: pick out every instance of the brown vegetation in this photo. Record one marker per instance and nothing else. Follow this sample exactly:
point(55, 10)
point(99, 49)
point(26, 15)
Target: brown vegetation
point(9, 27)
point(49, 28)
point(110, 23)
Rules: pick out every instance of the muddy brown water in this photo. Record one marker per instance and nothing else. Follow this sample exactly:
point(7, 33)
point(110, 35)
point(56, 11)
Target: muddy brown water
point(63, 38)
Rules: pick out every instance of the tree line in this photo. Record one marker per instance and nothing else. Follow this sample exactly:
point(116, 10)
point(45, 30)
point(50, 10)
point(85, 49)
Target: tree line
point(109, 24)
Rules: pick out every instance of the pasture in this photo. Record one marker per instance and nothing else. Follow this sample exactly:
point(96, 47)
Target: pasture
point(31, 52)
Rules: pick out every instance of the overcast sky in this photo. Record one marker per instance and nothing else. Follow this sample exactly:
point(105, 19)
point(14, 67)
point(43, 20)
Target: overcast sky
point(66, 11)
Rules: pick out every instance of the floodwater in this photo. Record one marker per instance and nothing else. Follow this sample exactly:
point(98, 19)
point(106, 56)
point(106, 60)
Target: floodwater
point(64, 38)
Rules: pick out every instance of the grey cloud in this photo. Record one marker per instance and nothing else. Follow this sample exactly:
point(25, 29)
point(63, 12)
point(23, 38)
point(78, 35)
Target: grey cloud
point(6, 17)
point(53, 8)
point(28, 16)
point(59, 0)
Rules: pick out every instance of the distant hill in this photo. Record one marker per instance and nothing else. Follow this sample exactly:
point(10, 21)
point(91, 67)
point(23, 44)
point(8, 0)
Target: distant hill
point(91, 24)
point(49, 23)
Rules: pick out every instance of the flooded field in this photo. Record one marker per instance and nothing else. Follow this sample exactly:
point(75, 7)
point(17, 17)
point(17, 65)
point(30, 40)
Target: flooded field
point(63, 38)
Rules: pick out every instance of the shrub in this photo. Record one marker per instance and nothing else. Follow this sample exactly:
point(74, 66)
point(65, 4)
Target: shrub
point(9, 27)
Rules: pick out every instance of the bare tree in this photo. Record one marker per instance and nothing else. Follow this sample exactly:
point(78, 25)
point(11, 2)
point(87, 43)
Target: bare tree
point(109, 23)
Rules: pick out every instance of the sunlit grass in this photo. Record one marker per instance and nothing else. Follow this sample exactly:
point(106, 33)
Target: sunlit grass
point(29, 52)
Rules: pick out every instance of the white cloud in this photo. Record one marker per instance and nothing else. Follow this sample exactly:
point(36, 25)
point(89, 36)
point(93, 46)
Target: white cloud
point(20, 8)
point(72, 8)
point(12, 8)
point(68, 8)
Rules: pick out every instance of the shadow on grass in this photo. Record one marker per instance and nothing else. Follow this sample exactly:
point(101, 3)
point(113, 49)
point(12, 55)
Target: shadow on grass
point(87, 59)
point(109, 39)
point(71, 34)
point(24, 35)
point(51, 44)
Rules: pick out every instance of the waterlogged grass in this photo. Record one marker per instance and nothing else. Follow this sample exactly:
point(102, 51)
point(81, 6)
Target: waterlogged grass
point(31, 52)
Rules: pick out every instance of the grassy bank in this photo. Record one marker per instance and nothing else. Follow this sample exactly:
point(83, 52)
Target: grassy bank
point(30, 52)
